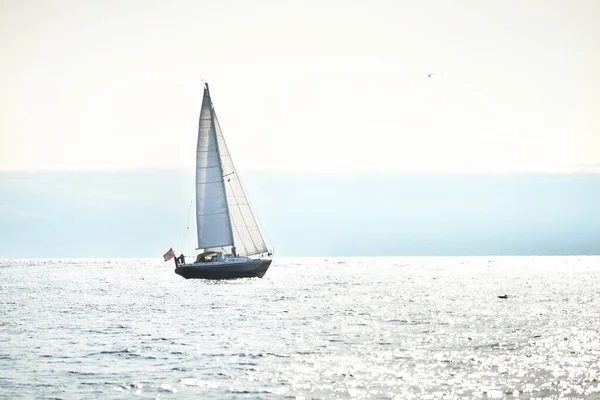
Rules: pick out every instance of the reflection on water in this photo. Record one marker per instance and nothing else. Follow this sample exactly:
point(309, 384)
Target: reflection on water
point(407, 328)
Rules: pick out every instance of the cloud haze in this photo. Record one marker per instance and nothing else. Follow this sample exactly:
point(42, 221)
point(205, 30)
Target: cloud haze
point(307, 86)
point(10, 212)
point(143, 213)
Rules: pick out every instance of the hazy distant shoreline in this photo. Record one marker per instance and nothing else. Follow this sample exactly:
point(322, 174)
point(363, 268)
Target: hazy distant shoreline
point(143, 213)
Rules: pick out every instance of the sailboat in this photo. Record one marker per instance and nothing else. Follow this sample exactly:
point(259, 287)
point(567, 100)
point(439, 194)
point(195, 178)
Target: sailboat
point(230, 241)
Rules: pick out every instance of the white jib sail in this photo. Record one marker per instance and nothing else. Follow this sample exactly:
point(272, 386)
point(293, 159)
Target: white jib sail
point(246, 235)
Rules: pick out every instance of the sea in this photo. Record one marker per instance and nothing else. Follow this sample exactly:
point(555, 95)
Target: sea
point(312, 328)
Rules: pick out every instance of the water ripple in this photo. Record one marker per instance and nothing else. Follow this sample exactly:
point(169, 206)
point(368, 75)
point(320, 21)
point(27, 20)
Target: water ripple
point(381, 328)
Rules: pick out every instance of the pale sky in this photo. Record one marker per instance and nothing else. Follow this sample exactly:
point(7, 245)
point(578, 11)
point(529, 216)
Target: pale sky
point(304, 85)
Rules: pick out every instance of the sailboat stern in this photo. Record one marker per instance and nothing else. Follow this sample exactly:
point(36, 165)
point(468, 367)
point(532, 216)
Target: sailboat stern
point(225, 270)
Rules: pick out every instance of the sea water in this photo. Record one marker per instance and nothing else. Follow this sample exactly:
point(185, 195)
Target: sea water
point(313, 328)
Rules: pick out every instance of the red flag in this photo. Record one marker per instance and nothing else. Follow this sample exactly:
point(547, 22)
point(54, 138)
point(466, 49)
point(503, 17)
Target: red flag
point(169, 254)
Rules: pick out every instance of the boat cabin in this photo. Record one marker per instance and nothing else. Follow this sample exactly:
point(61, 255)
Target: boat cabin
point(209, 256)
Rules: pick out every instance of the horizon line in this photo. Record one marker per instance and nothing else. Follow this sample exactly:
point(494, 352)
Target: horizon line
point(321, 257)
point(588, 170)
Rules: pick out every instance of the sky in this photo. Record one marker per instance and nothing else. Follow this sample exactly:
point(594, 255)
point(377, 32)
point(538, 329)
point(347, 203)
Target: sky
point(329, 113)
point(315, 86)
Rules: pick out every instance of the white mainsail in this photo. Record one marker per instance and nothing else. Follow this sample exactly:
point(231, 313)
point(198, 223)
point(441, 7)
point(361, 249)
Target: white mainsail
point(212, 213)
point(223, 214)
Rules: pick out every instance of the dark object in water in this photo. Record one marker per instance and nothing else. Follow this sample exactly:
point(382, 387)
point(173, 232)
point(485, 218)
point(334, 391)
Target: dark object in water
point(503, 296)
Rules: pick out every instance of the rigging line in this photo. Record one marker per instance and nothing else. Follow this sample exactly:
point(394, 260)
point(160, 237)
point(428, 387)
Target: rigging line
point(187, 221)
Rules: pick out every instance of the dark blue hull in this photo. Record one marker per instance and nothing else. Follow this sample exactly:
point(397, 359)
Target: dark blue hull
point(246, 269)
